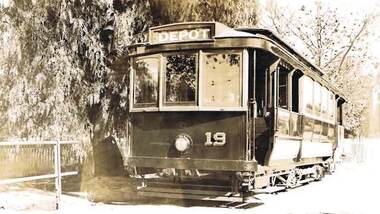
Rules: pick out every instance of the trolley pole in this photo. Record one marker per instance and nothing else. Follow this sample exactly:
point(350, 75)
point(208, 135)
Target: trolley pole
point(57, 169)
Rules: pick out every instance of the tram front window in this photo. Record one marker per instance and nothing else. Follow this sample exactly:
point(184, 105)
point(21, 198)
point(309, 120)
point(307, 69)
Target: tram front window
point(146, 81)
point(221, 82)
point(176, 76)
point(180, 79)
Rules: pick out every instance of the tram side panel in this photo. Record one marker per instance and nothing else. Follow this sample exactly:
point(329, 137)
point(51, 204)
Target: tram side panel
point(303, 137)
point(287, 138)
point(319, 109)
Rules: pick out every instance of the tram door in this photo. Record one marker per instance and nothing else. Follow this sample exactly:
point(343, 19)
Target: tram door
point(266, 64)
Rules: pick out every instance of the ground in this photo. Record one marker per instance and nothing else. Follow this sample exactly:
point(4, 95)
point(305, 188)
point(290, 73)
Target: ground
point(352, 188)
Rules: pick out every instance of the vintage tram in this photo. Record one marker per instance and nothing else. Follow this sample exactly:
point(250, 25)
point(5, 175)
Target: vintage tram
point(215, 110)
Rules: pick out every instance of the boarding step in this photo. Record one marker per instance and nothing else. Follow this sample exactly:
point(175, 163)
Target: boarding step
point(192, 194)
point(270, 190)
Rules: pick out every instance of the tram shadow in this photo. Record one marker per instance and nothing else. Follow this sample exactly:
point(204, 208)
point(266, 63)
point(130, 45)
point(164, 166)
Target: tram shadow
point(122, 191)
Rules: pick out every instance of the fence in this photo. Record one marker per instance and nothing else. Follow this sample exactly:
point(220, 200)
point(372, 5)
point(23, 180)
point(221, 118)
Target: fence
point(354, 150)
point(34, 160)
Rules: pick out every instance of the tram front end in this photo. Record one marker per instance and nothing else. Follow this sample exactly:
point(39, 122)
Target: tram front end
point(188, 109)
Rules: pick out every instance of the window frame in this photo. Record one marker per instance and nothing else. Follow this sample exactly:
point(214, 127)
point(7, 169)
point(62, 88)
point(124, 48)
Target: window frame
point(143, 106)
point(164, 105)
point(285, 72)
point(243, 79)
point(197, 104)
point(317, 107)
point(303, 107)
point(324, 103)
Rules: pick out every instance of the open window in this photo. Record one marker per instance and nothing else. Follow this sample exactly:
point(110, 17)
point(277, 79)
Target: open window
point(265, 63)
point(317, 130)
point(339, 112)
point(180, 79)
point(295, 90)
point(283, 87)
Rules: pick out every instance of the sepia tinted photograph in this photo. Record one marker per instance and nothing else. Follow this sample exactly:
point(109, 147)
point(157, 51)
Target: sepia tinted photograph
point(183, 106)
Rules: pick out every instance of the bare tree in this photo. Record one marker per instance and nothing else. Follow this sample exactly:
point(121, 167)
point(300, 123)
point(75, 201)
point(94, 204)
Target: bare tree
point(336, 43)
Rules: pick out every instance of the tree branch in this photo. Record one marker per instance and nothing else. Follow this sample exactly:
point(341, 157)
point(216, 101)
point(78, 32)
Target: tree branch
point(352, 43)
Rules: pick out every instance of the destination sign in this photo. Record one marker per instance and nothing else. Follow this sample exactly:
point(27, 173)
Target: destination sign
point(180, 35)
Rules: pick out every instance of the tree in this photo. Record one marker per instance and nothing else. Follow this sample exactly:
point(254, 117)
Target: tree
point(233, 13)
point(61, 69)
point(334, 42)
point(58, 80)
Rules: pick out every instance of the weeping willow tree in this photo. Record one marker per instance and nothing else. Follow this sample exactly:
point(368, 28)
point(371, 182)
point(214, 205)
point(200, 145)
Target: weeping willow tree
point(58, 75)
point(56, 71)
point(234, 13)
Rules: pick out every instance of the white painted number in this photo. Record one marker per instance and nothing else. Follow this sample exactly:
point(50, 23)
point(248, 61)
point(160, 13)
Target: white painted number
point(218, 139)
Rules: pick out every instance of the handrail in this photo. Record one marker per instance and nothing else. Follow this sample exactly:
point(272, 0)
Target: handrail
point(27, 143)
point(57, 166)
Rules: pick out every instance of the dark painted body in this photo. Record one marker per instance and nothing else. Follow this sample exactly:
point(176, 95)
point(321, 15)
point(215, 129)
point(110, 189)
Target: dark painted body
point(154, 134)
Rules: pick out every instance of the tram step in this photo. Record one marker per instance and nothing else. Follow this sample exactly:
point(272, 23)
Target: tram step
point(175, 193)
point(270, 190)
point(306, 180)
point(182, 191)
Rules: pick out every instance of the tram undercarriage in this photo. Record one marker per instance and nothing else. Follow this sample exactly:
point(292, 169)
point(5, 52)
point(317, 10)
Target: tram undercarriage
point(226, 186)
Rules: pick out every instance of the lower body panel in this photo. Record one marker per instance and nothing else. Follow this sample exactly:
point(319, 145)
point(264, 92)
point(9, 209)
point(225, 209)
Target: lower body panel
point(200, 164)
point(316, 149)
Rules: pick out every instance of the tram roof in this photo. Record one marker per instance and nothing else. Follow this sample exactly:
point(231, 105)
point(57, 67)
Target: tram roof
point(274, 37)
point(209, 31)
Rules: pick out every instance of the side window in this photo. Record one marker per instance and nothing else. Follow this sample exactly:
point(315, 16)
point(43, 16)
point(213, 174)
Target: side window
point(283, 122)
point(283, 88)
point(308, 129)
point(339, 114)
point(331, 106)
point(331, 132)
point(222, 79)
point(317, 99)
point(306, 89)
point(180, 72)
point(325, 98)
point(295, 128)
point(145, 90)
point(325, 130)
point(317, 130)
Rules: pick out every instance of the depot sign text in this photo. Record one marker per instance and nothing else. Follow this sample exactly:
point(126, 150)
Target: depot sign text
point(180, 35)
